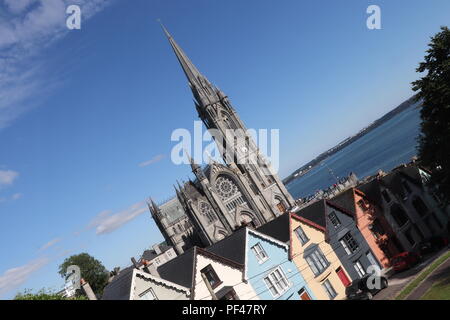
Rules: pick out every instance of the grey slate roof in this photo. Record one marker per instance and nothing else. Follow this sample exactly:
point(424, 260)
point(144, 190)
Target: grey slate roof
point(172, 210)
point(180, 269)
point(345, 200)
point(232, 247)
point(278, 228)
point(315, 213)
point(120, 286)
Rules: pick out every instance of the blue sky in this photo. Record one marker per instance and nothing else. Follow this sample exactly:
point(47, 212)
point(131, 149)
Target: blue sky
point(86, 115)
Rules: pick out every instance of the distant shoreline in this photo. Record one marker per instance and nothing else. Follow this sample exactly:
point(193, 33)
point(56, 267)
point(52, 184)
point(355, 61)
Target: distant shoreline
point(310, 165)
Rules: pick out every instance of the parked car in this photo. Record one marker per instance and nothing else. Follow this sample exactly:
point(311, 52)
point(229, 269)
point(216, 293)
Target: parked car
point(432, 244)
point(405, 260)
point(360, 289)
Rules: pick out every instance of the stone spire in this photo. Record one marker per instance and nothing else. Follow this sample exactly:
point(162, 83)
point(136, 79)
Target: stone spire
point(204, 92)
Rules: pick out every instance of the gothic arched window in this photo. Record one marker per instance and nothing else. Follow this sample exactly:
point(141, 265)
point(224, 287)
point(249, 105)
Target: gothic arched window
point(207, 211)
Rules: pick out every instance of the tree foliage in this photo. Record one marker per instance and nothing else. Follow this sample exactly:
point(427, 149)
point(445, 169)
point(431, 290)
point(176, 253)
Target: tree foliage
point(434, 91)
point(91, 269)
point(44, 294)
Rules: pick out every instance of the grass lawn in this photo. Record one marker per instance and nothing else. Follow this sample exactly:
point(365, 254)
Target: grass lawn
point(439, 291)
point(410, 287)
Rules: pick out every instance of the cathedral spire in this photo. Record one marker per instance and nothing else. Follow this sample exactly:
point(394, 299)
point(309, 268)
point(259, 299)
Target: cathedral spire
point(204, 92)
point(189, 69)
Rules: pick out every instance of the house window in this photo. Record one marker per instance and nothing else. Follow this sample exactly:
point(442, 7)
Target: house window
point(301, 235)
point(317, 262)
point(334, 219)
point(329, 289)
point(399, 215)
point(211, 276)
point(259, 252)
point(349, 243)
point(359, 269)
point(386, 196)
point(148, 295)
point(277, 282)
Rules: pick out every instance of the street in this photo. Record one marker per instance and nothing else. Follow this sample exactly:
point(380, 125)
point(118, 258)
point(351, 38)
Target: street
point(399, 280)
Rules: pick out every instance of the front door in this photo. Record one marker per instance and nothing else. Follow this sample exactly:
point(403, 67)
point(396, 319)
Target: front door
point(341, 274)
point(304, 295)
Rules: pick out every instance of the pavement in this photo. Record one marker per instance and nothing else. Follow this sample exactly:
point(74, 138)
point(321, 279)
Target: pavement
point(399, 280)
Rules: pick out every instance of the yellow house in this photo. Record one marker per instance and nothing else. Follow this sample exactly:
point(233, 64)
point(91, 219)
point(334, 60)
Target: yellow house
point(316, 260)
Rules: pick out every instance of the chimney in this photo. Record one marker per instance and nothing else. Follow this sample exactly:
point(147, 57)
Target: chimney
point(156, 248)
point(135, 263)
point(87, 290)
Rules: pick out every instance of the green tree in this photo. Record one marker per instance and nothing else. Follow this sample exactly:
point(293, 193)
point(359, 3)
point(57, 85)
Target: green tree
point(44, 294)
point(91, 269)
point(434, 90)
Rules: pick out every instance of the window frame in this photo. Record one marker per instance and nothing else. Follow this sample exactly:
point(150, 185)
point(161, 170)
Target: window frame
point(257, 250)
point(210, 270)
point(329, 289)
point(359, 268)
point(346, 243)
point(334, 219)
point(317, 262)
point(302, 237)
point(272, 283)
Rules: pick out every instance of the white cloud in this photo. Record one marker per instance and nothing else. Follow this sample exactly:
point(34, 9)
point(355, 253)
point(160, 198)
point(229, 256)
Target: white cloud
point(16, 196)
point(107, 221)
point(153, 160)
point(17, 6)
point(26, 29)
point(15, 277)
point(50, 244)
point(7, 177)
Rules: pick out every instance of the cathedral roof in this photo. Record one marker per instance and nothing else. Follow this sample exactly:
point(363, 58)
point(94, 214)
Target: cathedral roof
point(172, 209)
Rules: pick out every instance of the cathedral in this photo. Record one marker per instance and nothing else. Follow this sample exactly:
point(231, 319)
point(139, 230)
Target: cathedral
point(243, 189)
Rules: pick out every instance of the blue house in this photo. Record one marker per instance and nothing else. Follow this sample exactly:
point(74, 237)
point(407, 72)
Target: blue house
point(267, 266)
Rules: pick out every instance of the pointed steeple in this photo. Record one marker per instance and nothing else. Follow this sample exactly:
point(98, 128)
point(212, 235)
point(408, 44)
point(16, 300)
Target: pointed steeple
point(204, 92)
point(189, 69)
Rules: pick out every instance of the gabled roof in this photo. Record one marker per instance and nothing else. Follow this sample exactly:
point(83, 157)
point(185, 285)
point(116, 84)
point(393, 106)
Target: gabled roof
point(346, 200)
point(119, 288)
point(181, 270)
point(278, 228)
point(308, 222)
point(232, 247)
point(314, 212)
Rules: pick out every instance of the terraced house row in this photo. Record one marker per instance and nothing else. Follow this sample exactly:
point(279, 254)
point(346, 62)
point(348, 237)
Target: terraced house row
point(313, 253)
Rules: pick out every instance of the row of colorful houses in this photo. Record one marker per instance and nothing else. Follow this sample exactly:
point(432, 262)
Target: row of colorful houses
point(312, 253)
